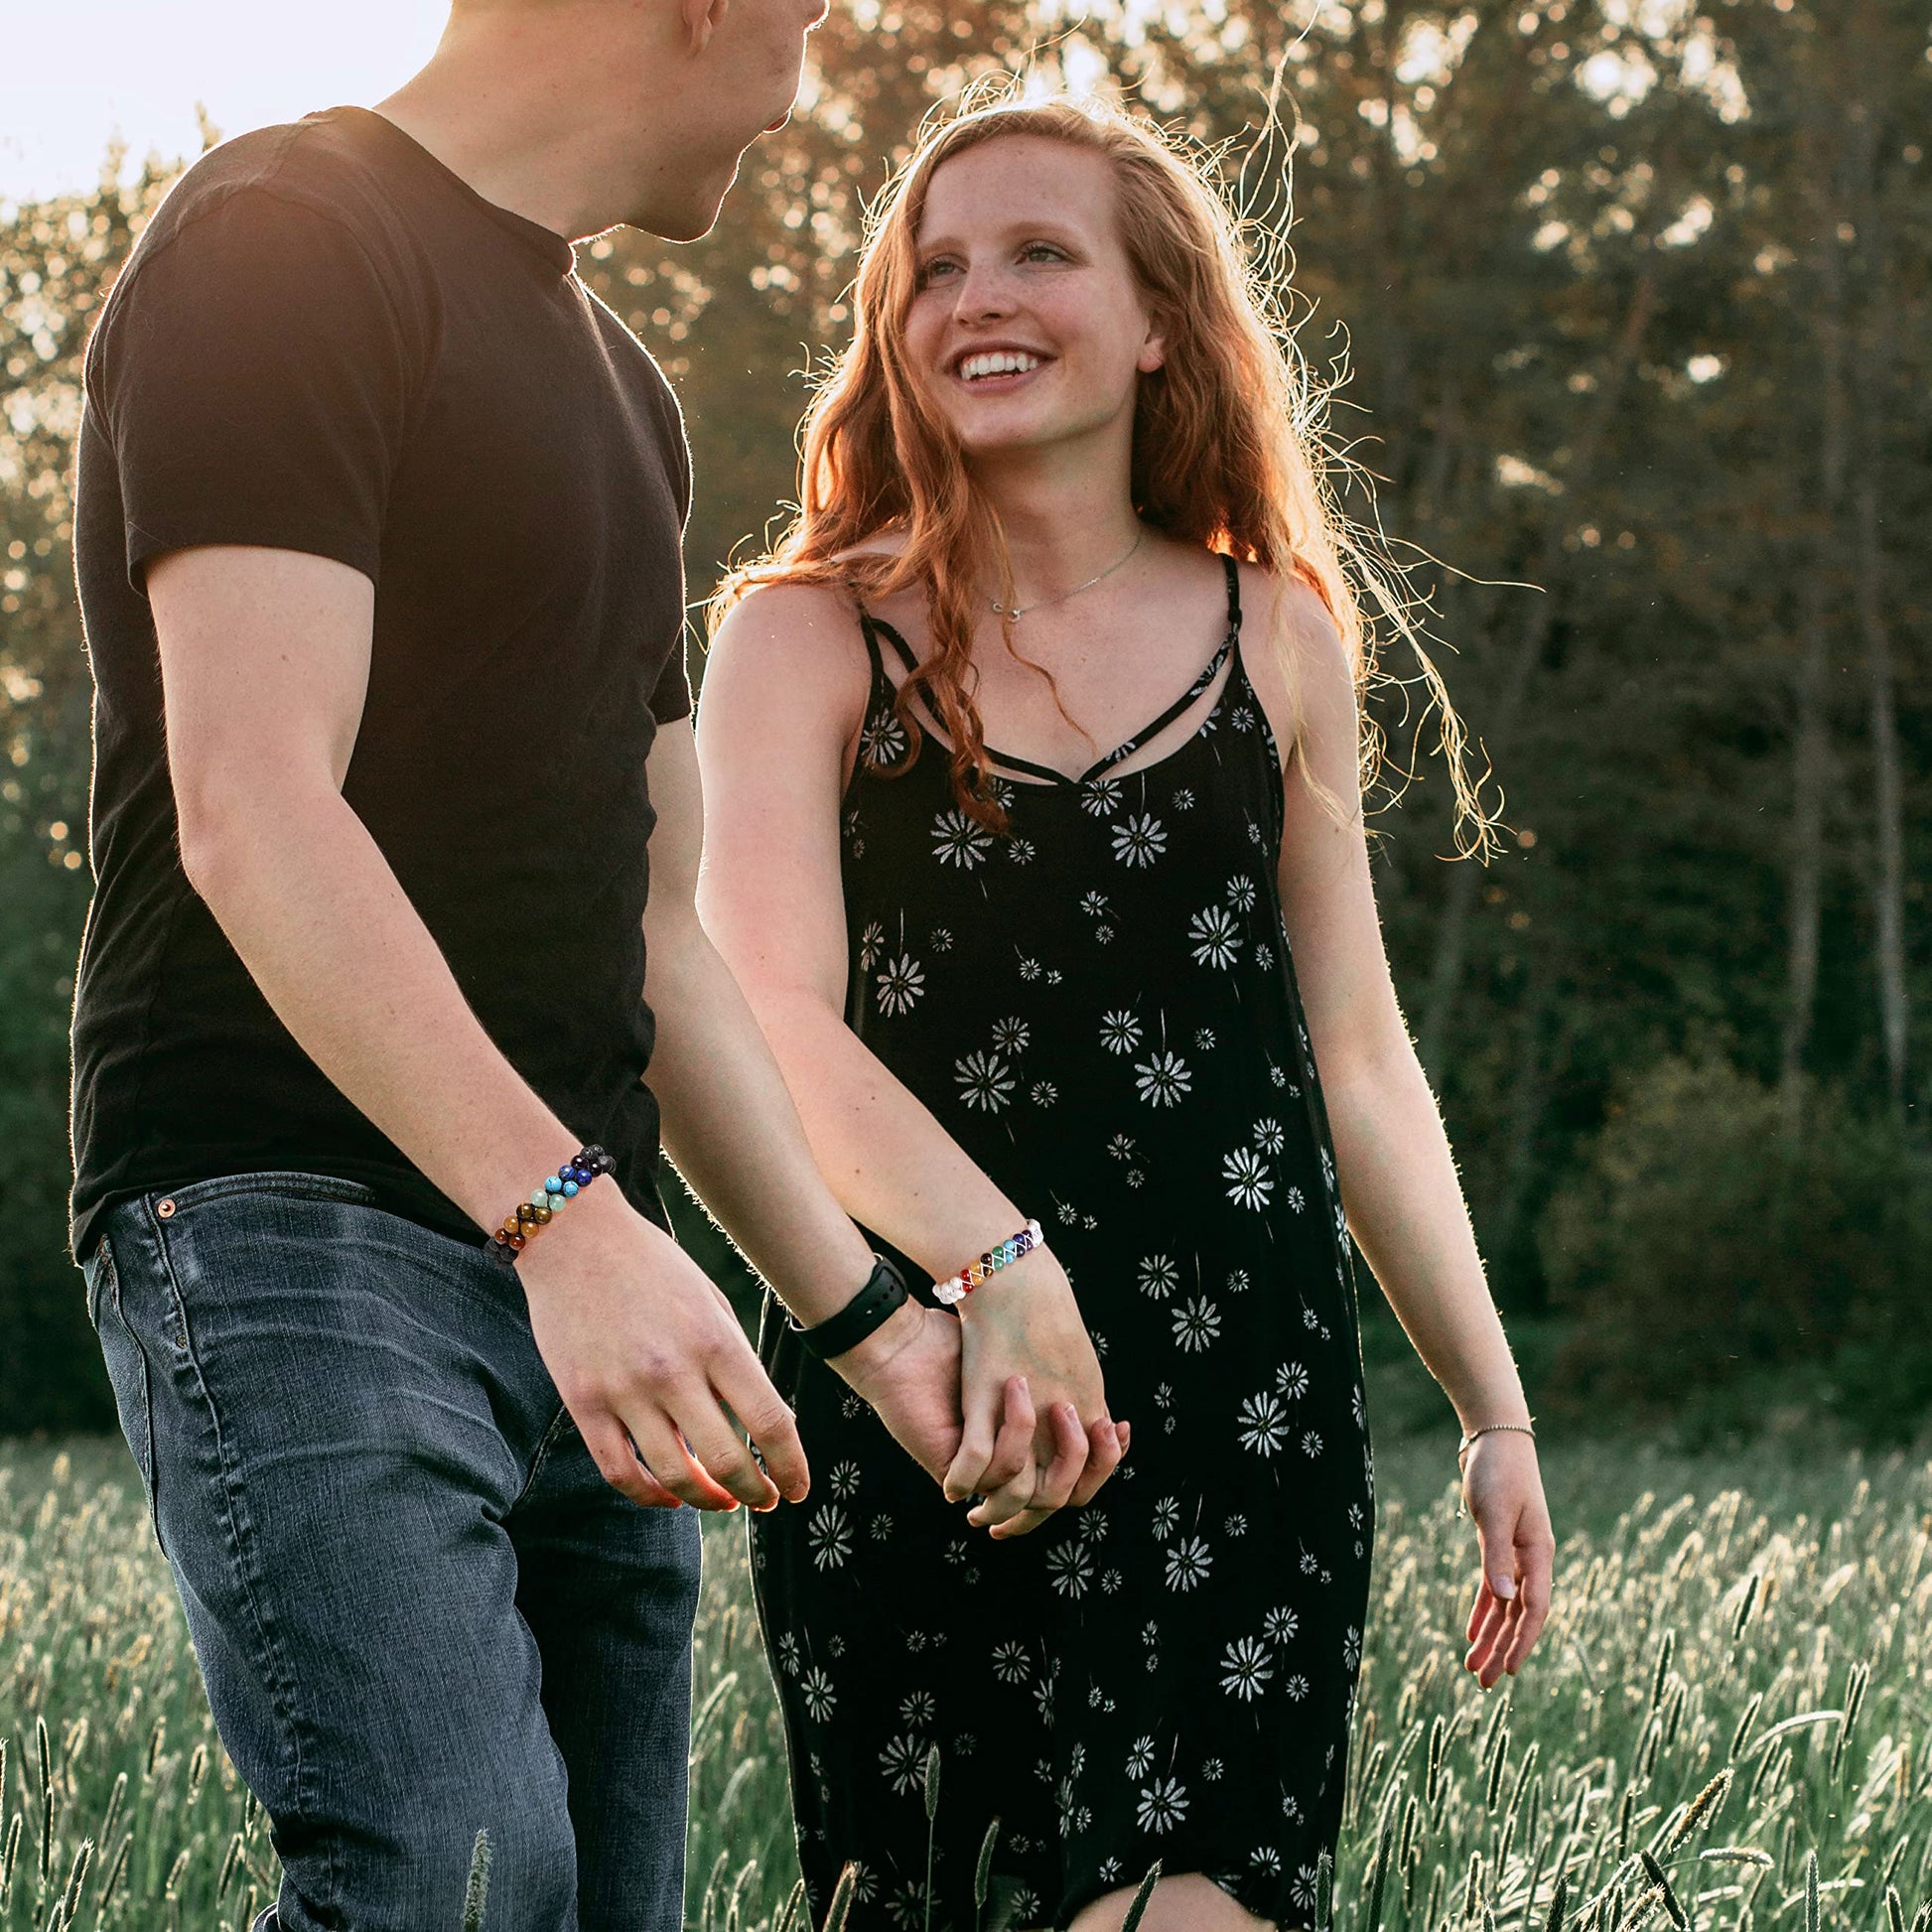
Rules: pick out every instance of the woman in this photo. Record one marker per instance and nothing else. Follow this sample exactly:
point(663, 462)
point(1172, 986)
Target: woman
point(1062, 484)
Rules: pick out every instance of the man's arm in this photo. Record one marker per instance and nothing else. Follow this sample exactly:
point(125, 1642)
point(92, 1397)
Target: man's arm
point(264, 662)
point(731, 1126)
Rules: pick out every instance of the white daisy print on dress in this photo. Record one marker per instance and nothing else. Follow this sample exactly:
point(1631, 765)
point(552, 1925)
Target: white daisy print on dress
point(904, 1762)
point(899, 985)
point(1264, 1424)
point(1279, 1625)
point(1241, 892)
point(1291, 1379)
point(1009, 1663)
point(883, 741)
point(830, 1536)
point(1249, 1182)
point(871, 943)
point(1167, 1514)
point(985, 1081)
point(1139, 839)
point(1164, 1080)
point(1100, 796)
point(844, 1479)
point(907, 1905)
point(1216, 937)
point(1195, 1325)
point(1120, 1030)
point(1160, 1277)
point(1069, 1569)
point(1269, 1136)
point(821, 1699)
point(1245, 1668)
point(1188, 1563)
point(1162, 1805)
point(960, 841)
point(1010, 1036)
point(1140, 1759)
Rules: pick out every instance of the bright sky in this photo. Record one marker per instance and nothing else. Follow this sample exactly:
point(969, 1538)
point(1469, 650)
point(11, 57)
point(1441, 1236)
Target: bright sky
point(73, 73)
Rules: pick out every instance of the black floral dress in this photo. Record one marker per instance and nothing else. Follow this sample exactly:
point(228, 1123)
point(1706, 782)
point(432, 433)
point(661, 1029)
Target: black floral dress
point(1101, 1009)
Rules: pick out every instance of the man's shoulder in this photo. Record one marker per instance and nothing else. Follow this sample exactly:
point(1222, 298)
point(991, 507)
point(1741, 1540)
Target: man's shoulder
point(329, 162)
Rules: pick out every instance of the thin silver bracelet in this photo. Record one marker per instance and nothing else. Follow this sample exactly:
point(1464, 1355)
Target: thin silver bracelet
point(1489, 1428)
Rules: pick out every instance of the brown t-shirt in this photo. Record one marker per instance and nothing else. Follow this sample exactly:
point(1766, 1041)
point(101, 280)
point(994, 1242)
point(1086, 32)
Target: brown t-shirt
point(326, 341)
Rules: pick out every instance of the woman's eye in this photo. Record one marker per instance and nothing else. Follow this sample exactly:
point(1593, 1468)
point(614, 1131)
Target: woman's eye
point(1042, 251)
point(933, 270)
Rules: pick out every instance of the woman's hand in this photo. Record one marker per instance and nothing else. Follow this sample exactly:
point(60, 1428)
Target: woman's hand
point(1502, 1487)
point(1037, 1435)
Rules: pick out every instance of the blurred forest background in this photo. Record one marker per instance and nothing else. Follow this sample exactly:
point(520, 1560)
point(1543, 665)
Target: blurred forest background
point(1627, 301)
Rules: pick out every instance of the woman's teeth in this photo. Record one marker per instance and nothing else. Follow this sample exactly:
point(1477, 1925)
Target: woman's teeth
point(1002, 363)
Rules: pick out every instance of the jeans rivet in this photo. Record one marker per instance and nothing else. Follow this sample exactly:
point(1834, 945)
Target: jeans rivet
point(166, 1210)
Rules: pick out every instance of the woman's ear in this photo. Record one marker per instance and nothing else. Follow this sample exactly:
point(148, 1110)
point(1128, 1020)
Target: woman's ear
point(1153, 350)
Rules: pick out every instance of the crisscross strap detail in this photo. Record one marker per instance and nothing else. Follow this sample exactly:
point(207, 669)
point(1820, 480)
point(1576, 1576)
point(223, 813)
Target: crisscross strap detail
point(876, 628)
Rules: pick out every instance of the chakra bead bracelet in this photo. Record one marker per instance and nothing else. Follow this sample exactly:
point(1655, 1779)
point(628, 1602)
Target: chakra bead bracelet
point(547, 1198)
point(957, 1287)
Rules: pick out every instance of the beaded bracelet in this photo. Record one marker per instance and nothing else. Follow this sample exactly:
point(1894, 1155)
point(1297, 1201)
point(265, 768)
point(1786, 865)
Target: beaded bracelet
point(551, 1193)
point(957, 1287)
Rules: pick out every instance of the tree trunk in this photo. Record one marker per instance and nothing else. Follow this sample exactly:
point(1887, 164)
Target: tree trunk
point(1459, 898)
point(1888, 833)
point(1875, 634)
point(1811, 735)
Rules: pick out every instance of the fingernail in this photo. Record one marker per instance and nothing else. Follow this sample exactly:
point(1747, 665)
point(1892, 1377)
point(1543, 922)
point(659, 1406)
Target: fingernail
point(1503, 1587)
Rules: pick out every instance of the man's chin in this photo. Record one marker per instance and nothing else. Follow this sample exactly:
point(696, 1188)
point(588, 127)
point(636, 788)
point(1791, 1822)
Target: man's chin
point(691, 217)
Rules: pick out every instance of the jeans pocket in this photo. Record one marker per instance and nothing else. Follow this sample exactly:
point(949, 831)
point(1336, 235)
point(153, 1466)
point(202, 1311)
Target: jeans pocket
point(127, 1369)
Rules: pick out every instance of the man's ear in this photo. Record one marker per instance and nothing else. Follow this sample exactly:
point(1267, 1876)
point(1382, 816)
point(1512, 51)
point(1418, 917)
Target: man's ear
point(701, 18)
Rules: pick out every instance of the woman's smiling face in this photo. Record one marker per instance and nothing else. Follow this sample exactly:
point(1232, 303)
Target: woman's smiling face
point(1027, 328)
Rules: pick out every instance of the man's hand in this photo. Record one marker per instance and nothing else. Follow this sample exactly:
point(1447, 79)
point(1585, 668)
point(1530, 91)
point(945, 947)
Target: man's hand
point(653, 1365)
point(908, 1372)
point(1055, 1446)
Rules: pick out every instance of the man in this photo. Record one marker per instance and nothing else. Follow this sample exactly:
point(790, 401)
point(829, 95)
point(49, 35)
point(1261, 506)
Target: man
point(377, 542)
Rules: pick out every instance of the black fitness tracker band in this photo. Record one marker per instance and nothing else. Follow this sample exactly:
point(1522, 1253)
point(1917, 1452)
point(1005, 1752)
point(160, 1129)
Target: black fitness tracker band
point(881, 1298)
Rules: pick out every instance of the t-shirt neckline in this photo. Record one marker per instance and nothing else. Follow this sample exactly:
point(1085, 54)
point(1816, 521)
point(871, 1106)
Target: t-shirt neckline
point(546, 242)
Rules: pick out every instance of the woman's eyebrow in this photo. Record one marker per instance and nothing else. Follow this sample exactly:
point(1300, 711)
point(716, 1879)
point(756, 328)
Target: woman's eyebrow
point(1030, 228)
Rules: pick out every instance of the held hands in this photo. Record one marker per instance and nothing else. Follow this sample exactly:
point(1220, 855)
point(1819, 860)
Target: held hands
point(1502, 1489)
point(1036, 1433)
point(653, 1365)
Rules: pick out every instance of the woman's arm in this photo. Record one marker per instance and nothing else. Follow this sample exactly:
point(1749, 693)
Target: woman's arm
point(784, 690)
point(1398, 1178)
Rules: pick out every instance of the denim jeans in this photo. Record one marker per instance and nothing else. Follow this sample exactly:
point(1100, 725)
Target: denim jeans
point(418, 1608)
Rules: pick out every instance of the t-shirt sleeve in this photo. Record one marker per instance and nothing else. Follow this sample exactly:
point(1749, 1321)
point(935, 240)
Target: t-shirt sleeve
point(254, 381)
point(671, 700)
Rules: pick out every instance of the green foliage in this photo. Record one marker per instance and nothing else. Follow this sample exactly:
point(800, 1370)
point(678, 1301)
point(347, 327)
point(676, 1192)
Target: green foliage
point(1721, 1261)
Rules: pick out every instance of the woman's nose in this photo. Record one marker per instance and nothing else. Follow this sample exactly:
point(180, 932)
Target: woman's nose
point(985, 295)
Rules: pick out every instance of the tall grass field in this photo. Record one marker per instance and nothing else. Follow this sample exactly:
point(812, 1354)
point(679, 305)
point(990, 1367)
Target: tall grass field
point(1727, 1726)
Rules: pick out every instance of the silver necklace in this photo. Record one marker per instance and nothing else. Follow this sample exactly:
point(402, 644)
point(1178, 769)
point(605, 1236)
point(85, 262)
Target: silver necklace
point(1016, 612)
